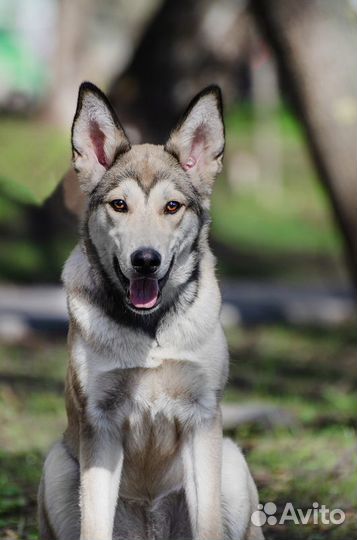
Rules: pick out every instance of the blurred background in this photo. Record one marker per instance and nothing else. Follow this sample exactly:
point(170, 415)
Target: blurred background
point(284, 222)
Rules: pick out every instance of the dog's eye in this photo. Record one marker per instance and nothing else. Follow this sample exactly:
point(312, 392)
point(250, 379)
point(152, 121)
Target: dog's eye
point(119, 205)
point(172, 207)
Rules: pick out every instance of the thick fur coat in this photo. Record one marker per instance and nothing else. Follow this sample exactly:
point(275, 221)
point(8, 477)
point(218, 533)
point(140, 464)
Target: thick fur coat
point(143, 455)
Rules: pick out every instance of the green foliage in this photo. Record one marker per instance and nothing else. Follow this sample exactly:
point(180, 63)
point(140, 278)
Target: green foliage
point(33, 159)
point(20, 69)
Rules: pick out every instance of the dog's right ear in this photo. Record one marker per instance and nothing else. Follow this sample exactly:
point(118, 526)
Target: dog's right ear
point(97, 136)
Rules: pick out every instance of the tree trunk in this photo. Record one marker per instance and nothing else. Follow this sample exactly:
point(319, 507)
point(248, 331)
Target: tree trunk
point(314, 42)
point(73, 22)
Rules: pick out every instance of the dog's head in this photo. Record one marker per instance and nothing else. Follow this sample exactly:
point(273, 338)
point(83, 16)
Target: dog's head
point(147, 205)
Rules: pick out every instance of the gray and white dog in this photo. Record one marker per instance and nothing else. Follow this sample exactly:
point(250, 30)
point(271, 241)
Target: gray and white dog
point(143, 455)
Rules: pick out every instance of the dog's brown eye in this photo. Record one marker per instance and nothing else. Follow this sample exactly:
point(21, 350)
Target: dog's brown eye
point(119, 205)
point(172, 207)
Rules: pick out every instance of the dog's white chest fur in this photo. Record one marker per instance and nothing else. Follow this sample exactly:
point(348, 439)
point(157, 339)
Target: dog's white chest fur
point(177, 390)
point(155, 408)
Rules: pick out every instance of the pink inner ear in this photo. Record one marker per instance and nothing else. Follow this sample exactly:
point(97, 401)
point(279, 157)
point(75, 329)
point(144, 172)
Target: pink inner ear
point(98, 138)
point(191, 162)
point(197, 148)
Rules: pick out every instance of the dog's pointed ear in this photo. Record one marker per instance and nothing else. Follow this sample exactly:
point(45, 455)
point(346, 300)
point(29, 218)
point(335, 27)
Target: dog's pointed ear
point(97, 136)
point(198, 140)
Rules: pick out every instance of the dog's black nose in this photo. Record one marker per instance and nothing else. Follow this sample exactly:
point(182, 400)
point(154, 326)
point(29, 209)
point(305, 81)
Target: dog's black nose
point(146, 260)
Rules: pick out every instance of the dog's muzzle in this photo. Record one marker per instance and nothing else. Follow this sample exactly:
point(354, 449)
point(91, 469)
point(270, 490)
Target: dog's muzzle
point(143, 292)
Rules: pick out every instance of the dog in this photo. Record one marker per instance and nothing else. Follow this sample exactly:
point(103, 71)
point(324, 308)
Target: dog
point(143, 456)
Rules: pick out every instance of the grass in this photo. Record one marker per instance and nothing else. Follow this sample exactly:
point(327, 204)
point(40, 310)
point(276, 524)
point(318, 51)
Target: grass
point(309, 373)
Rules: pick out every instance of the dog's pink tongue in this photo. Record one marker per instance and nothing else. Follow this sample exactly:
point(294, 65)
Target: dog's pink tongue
point(144, 292)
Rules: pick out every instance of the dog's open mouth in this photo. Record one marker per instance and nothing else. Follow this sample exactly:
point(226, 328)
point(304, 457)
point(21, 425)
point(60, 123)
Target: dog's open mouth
point(142, 292)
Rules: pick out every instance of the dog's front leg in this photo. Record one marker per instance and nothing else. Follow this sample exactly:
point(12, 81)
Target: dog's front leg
point(202, 459)
point(101, 460)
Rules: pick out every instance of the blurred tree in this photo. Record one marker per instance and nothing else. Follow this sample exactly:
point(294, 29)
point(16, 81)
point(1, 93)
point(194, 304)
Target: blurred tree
point(187, 46)
point(313, 41)
point(73, 23)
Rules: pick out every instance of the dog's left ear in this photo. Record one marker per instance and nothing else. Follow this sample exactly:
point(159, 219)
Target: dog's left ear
point(198, 140)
